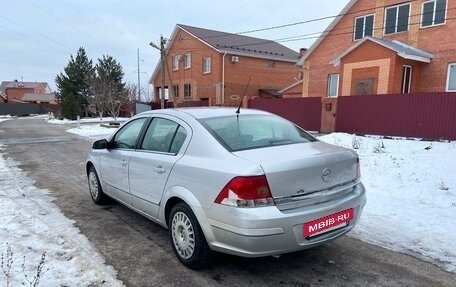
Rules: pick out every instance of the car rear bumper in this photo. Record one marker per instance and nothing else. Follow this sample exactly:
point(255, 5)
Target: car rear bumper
point(255, 232)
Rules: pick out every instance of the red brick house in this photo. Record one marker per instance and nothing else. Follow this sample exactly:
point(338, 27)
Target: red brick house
point(219, 67)
point(292, 91)
point(14, 91)
point(382, 47)
point(39, 98)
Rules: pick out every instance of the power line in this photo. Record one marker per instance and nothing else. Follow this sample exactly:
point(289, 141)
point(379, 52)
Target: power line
point(314, 35)
point(66, 23)
point(33, 39)
point(225, 34)
point(328, 34)
point(35, 32)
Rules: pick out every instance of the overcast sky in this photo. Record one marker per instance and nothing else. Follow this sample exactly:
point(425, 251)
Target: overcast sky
point(37, 37)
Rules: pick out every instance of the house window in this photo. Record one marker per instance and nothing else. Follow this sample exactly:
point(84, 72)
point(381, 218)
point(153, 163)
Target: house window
point(397, 18)
point(333, 85)
point(451, 78)
point(406, 79)
point(187, 60)
point(364, 26)
point(364, 87)
point(176, 63)
point(206, 65)
point(271, 64)
point(433, 13)
point(187, 91)
point(176, 91)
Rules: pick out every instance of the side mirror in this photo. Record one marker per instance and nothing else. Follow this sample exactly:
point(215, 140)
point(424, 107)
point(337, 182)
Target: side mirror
point(100, 144)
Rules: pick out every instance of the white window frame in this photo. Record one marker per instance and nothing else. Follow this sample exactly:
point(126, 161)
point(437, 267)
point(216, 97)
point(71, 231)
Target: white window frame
point(187, 60)
point(329, 83)
point(364, 26)
point(397, 18)
point(406, 90)
point(206, 65)
point(433, 14)
point(176, 62)
point(447, 88)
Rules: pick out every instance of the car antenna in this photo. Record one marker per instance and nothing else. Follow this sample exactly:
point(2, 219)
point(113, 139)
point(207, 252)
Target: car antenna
point(242, 98)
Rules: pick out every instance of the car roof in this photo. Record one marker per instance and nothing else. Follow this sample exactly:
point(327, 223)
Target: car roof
point(207, 112)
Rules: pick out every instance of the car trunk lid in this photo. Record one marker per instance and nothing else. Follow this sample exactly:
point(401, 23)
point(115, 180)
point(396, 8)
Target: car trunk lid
point(305, 173)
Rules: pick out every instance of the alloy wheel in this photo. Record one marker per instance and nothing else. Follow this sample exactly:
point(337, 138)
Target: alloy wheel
point(93, 185)
point(183, 235)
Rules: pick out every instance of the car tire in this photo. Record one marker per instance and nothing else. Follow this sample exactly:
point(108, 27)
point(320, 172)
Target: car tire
point(96, 192)
point(187, 238)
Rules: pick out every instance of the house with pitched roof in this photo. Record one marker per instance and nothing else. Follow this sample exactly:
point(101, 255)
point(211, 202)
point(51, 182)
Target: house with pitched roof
point(14, 91)
point(382, 47)
point(219, 68)
point(39, 98)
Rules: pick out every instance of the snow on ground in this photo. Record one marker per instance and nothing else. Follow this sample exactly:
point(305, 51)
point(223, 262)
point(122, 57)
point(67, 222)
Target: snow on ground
point(86, 120)
point(4, 118)
point(30, 224)
point(92, 132)
point(411, 195)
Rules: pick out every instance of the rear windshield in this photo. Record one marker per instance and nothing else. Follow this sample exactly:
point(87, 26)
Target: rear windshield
point(243, 132)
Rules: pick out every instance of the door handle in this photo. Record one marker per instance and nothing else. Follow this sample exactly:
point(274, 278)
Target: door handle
point(123, 163)
point(159, 169)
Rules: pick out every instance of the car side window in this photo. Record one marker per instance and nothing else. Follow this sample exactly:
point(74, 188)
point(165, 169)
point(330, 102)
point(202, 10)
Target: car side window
point(127, 136)
point(179, 139)
point(164, 135)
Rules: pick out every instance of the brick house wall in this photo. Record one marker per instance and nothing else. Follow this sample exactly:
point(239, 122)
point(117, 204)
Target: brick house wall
point(436, 40)
point(263, 73)
point(379, 62)
point(16, 94)
point(294, 92)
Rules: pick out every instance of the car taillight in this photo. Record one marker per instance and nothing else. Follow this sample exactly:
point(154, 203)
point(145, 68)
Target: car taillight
point(246, 191)
point(358, 169)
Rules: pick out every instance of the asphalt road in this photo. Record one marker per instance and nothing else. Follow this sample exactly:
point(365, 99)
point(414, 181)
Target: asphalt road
point(140, 250)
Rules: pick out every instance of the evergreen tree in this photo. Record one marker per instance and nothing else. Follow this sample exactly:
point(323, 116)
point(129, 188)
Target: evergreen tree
point(74, 85)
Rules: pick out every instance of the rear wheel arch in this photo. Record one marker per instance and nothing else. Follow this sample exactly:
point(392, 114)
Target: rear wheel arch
point(169, 206)
point(173, 196)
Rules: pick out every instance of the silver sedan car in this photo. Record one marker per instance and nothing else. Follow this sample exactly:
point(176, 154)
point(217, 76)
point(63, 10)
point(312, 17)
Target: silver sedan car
point(246, 182)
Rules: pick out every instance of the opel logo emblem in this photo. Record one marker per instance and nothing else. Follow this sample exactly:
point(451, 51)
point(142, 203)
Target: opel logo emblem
point(326, 175)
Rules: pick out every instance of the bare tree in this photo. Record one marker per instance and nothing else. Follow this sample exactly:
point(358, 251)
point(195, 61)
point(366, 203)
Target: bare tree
point(98, 98)
point(109, 90)
point(129, 105)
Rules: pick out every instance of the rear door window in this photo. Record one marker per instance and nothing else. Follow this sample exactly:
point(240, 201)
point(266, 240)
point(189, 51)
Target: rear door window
point(164, 135)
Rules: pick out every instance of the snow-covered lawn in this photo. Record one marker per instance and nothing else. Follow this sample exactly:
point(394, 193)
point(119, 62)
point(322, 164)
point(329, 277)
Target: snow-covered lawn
point(30, 224)
point(4, 118)
point(411, 195)
point(86, 120)
point(92, 131)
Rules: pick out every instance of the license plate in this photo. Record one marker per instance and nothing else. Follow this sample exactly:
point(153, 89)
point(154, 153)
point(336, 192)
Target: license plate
point(328, 223)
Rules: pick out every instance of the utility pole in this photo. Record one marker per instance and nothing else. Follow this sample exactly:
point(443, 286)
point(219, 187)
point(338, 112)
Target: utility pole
point(162, 61)
point(162, 58)
point(139, 81)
